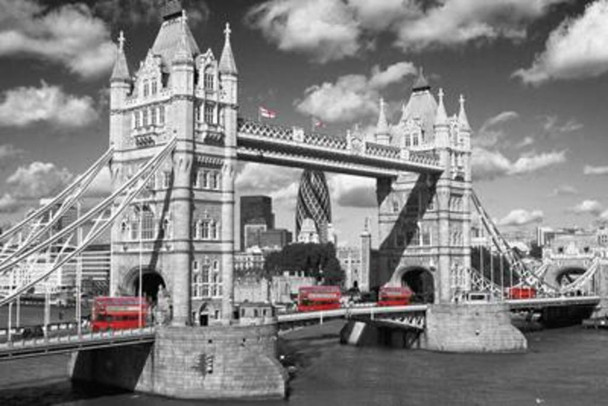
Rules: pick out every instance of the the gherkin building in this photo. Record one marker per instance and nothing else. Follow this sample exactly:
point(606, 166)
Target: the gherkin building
point(314, 202)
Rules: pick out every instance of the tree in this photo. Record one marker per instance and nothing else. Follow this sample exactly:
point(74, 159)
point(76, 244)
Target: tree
point(315, 260)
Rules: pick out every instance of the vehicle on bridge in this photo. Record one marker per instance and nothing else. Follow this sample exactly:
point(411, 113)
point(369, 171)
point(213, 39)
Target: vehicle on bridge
point(314, 298)
point(521, 292)
point(394, 296)
point(118, 313)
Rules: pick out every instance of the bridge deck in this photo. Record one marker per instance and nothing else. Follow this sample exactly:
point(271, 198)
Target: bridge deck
point(89, 341)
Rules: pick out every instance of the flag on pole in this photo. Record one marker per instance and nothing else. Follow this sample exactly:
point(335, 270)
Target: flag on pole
point(266, 113)
point(316, 123)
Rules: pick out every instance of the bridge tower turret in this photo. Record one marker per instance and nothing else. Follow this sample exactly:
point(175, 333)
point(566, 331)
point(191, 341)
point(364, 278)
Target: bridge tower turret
point(383, 135)
point(229, 115)
point(120, 87)
point(423, 218)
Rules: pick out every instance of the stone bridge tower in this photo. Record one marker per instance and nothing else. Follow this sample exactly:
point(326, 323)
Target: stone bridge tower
point(183, 223)
point(424, 220)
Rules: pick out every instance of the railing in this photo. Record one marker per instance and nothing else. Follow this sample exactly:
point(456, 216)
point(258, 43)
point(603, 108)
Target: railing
point(346, 145)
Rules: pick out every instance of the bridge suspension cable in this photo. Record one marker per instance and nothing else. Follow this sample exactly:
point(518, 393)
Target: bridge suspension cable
point(36, 225)
point(526, 276)
point(122, 197)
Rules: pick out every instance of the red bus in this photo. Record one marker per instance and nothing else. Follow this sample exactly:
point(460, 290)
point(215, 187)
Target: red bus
point(521, 292)
point(394, 296)
point(118, 313)
point(312, 298)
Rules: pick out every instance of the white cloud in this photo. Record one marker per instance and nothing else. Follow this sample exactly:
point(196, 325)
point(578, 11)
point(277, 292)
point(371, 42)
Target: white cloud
point(353, 191)
point(488, 164)
point(552, 126)
point(324, 29)
point(8, 204)
point(604, 215)
point(69, 35)
point(38, 180)
point(457, 22)
point(26, 105)
point(492, 130)
point(521, 217)
point(574, 50)
point(334, 29)
point(351, 96)
point(526, 142)
point(588, 207)
point(595, 170)
point(563, 190)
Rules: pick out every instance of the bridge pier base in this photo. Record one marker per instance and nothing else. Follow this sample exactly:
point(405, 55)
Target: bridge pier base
point(215, 362)
point(471, 328)
point(467, 328)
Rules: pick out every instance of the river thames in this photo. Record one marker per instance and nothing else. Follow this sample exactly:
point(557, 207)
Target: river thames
point(567, 366)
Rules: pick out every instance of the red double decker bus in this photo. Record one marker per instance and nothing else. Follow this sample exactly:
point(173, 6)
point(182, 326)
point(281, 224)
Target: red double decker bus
point(312, 298)
point(118, 313)
point(394, 296)
point(521, 292)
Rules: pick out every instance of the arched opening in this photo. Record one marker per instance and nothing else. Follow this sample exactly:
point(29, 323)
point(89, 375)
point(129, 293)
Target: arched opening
point(420, 281)
point(566, 276)
point(203, 315)
point(152, 281)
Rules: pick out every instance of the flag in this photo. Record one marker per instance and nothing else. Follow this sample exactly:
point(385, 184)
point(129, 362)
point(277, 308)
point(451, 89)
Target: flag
point(267, 113)
point(316, 123)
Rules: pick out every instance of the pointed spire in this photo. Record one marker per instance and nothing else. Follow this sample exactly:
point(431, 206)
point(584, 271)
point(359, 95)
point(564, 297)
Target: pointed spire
point(462, 115)
point(441, 118)
point(227, 63)
point(183, 53)
point(421, 83)
point(382, 127)
point(121, 68)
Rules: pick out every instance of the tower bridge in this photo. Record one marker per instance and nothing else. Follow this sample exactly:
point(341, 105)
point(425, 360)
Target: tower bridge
point(175, 140)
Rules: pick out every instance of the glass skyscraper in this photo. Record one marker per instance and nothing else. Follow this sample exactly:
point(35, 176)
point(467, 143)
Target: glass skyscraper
point(314, 202)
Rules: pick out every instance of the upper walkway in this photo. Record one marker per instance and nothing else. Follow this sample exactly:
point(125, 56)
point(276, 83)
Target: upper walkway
point(272, 144)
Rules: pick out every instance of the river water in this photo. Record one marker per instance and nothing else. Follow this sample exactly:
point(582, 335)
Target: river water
point(567, 366)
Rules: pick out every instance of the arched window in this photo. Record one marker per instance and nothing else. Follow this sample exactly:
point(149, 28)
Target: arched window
point(146, 118)
point(205, 230)
point(148, 225)
point(208, 79)
point(205, 179)
point(216, 180)
point(134, 124)
point(213, 230)
point(166, 228)
point(154, 87)
point(209, 116)
point(146, 88)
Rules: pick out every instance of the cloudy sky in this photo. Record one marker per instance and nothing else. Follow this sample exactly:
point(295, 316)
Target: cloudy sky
point(533, 73)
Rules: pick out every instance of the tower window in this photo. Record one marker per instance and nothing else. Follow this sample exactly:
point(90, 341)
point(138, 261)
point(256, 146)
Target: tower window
point(146, 120)
point(154, 87)
point(146, 88)
point(208, 80)
point(209, 114)
point(166, 179)
point(161, 115)
point(153, 116)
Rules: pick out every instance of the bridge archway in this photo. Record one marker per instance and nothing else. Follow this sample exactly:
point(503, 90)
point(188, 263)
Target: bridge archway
point(420, 280)
point(151, 279)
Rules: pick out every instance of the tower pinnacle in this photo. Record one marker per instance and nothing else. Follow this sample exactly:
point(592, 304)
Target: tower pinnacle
point(441, 118)
point(227, 63)
point(462, 115)
point(171, 9)
point(382, 130)
point(121, 68)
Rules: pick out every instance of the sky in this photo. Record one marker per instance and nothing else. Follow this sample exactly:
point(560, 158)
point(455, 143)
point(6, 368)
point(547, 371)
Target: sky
point(533, 73)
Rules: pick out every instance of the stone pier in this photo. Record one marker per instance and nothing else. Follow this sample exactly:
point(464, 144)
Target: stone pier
point(216, 362)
